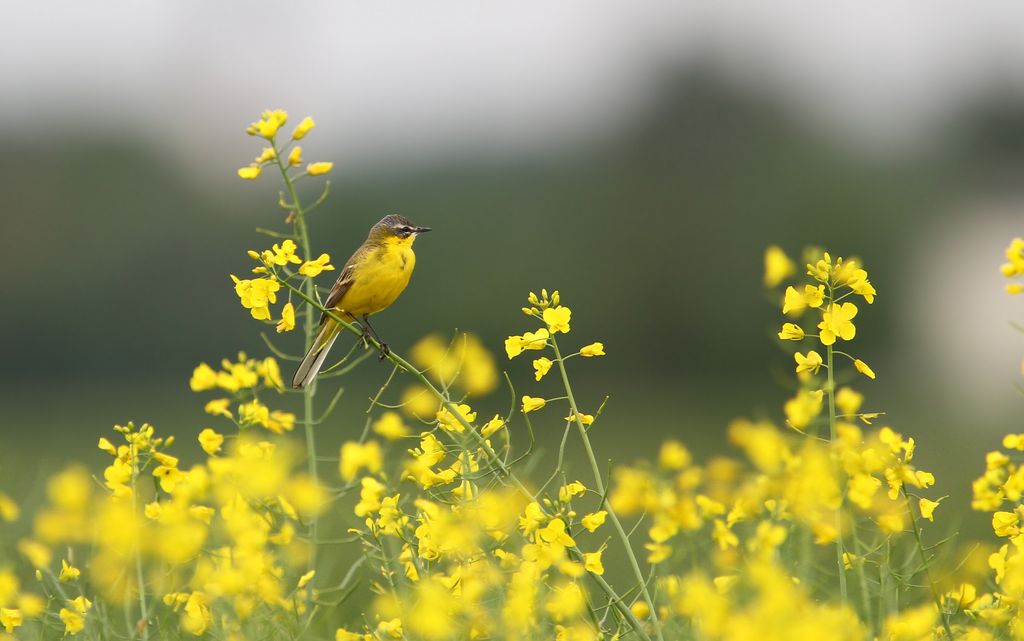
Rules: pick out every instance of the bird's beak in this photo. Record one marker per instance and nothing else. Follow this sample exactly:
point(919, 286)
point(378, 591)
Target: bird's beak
point(422, 230)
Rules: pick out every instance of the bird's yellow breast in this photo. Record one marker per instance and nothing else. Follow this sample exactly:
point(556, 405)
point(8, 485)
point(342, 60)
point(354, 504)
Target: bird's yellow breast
point(380, 276)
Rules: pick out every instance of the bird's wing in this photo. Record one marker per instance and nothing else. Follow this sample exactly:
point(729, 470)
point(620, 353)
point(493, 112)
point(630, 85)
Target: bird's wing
point(342, 285)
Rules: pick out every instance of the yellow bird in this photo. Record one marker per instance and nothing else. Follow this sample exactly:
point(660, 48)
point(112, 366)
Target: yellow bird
point(371, 280)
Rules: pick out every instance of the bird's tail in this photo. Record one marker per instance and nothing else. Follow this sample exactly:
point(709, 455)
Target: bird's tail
point(314, 358)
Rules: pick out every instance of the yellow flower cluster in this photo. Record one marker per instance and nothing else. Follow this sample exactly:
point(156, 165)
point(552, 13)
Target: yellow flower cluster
point(267, 127)
point(462, 363)
point(220, 534)
point(244, 379)
point(1014, 265)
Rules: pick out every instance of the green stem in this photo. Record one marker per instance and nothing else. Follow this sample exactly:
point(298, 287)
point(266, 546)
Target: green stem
point(830, 388)
point(862, 577)
point(140, 576)
point(599, 486)
point(308, 391)
point(927, 567)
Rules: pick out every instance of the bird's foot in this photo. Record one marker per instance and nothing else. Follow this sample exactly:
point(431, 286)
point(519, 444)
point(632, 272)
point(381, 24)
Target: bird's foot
point(384, 351)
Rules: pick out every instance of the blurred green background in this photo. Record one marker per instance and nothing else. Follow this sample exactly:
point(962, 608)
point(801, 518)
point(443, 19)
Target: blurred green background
point(639, 160)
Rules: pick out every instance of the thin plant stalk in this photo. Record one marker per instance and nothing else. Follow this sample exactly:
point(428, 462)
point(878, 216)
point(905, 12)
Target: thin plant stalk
point(599, 486)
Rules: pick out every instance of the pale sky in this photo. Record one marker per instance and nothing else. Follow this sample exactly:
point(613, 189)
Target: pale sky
point(406, 81)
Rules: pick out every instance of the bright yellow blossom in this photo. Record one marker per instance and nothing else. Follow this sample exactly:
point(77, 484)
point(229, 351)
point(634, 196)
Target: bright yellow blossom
point(557, 319)
point(1006, 524)
point(592, 561)
point(795, 302)
point(492, 426)
point(515, 345)
point(359, 456)
point(305, 579)
point(777, 266)
point(791, 332)
point(9, 510)
point(10, 619)
point(586, 419)
point(836, 322)
point(451, 422)
point(312, 268)
point(257, 295)
point(567, 492)
point(391, 426)
point(287, 322)
point(803, 408)
point(541, 367)
point(295, 156)
point(303, 128)
point(928, 508)
point(594, 520)
point(68, 572)
point(268, 124)
point(219, 407)
point(810, 363)
point(319, 168)
point(210, 441)
point(594, 349)
point(532, 404)
point(250, 172)
point(863, 368)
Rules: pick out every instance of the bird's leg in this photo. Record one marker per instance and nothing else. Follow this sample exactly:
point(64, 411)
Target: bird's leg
point(384, 349)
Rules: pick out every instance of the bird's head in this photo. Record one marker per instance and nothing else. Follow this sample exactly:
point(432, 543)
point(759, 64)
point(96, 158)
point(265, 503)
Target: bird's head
point(396, 229)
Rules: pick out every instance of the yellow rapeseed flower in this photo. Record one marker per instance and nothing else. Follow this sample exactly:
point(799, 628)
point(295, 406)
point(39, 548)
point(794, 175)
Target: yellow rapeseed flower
point(791, 332)
point(492, 426)
point(9, 510)
point(303, 128)
point(268, 124)
point(312, 268)
point(531, 404)
point(356, 457)
point(594, 520)
point(810, 363)
point(68, 572)
point(450, 422)
point(795, 302)
point(863, 368)
point(219, 407)
point(836, 322)
point(803, 408)
point(319, 168)
point(594, 349)
point(391, 426)
point(592, 561)
point(305, 579)
point(11, 618)
point(295, 157)
point(928, 508)
point(287, 322)
point(210, 441)
point(557, 319)
point(777, 266)
point(266, 155)
point(568, 491)
point(541, 366)
point(250, 172)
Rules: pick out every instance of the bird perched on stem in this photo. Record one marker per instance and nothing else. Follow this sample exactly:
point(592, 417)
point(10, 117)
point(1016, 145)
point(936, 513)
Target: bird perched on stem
point(371, 280)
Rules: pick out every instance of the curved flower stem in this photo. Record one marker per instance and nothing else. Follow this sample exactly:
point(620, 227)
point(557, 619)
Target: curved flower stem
point(482, 443)
point(927, 566)
point(308, 419)
point(599, 486)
